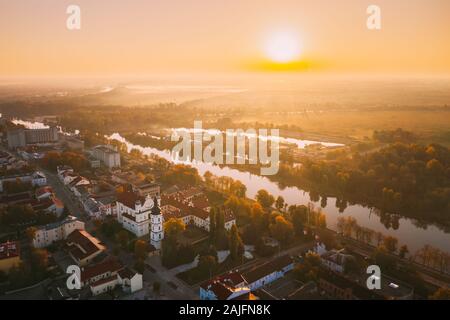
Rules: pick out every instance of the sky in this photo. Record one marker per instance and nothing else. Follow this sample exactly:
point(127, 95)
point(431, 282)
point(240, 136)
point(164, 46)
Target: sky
point(176, 36)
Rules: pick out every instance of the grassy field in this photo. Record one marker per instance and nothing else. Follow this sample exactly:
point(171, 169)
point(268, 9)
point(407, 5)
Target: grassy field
point(430, 126)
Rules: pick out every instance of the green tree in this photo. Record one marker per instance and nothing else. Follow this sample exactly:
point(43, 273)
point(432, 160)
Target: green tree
point(122, 238)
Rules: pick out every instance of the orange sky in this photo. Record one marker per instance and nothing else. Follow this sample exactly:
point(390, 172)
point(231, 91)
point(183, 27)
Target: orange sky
point(147, 36)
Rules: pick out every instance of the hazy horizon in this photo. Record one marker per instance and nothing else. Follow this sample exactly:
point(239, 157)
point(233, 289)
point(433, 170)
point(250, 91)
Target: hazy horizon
point(140, 37)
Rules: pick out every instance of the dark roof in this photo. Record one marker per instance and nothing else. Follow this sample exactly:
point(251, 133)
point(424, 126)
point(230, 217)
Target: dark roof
point(130, 198)
point(86, 244)
point(156, 210)
point(267, 268)
point(358, 291)
point(126, 273)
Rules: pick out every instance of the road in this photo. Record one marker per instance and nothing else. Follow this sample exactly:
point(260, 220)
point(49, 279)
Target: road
point(70, 201)
point(164, 276)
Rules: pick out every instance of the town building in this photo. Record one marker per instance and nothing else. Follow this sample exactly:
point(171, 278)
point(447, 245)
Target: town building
point(193, 212)
point(108, 155)
point(83, 247)
point(107, 275)
point(138, 184)
point(50, 233)
point(72, 142)
point(9, 255)
point(259, 276)
point(21, 137)
point(239, 284)
point(133, 212)
point(36, 178)
point(336, 260)
point(335, 285)
point(227, 287)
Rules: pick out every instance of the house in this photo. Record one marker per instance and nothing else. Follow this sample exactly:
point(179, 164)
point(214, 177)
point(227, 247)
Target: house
point(56, 206)
point(92, 207)
point(36, 178)
point(109, 274)
point(83, 247)
point(50, 233)
point(237, 285)
point(268, 272)
point(9, 255)
point(77, 182)
point(227, 287)
point(99, 271)
point(44, 193)
point(336, 260)
point(61, 170)
point(107, 206)
point(68, 177)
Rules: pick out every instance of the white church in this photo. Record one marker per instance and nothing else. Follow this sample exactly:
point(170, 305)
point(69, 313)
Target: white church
point(141, 216)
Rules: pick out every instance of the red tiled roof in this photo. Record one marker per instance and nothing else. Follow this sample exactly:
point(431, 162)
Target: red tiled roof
point(9, 250)
point(129, 199)
point(126, 273)
point(43, 190)
point(200, 202)
point(185, 209)
point(108, 265)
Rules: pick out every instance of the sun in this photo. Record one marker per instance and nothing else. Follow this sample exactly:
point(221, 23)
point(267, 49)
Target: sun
point(282, 47)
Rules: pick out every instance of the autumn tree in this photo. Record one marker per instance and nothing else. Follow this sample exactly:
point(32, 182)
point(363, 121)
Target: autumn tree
point(265, 199)
point(173, 227)
point(235, 245)
point(282, 230)
point(140, 249)
point(441, 294)
point(403, 251)
point(279, 203)
point(390, 243)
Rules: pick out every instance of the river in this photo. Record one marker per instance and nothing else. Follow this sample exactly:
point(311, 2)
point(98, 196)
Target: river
point(408, 233)
point(414, 236)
